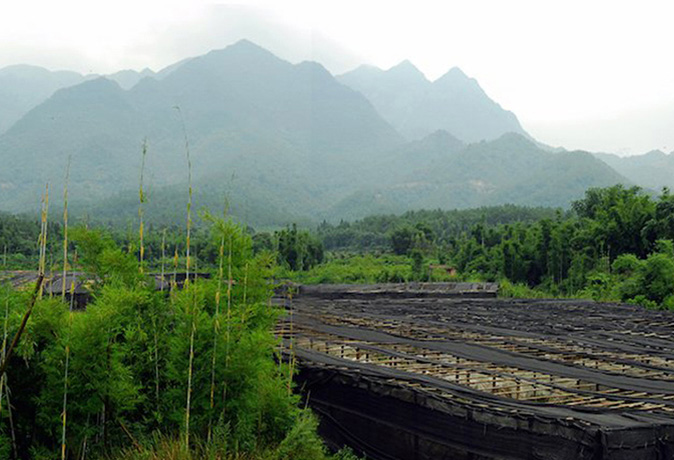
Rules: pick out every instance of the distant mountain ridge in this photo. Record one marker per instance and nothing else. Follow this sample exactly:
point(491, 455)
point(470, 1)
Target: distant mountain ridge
point(417, 107)
point(275, 142)
point(510, 169)
point(23, 87)
point(652, 170)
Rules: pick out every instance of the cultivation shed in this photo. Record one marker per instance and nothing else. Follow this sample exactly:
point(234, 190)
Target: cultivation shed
point(79, 285)
point(167, 280)
point(430, 376)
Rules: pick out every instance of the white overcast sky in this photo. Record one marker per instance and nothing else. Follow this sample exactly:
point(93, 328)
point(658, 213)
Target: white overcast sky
point(592, 74)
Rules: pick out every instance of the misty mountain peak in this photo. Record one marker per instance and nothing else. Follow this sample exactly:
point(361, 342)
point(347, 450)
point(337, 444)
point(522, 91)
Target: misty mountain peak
point(314, 68)
point(241, 60)
point(245, 43)
point(456, 72)
point(23, 70)
point(406, 69)
point(440, 140)
point(242, 48)
point(655, 154)
point(513, 138)
point(416, 108)
point(442, 136)
point(100, 90)
point(455, 77)
point(93, 87)
point(33, 72)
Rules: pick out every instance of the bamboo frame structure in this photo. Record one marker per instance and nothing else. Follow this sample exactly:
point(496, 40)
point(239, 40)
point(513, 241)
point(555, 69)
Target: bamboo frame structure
point(576, 365)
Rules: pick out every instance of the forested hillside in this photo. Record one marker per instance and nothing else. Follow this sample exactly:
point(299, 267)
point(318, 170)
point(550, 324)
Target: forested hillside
point(22, 87)
point(438, 172)
point(243, 111)
point(652, 170)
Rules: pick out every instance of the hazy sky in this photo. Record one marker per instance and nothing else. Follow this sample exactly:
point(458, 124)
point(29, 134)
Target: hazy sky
point(591, 74)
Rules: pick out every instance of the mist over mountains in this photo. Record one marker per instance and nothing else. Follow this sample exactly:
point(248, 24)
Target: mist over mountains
point(653, 170)
point(23, 87)
point(277, 142)
point(417, 107)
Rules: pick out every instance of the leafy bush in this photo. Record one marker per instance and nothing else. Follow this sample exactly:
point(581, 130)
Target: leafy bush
point(136, 354)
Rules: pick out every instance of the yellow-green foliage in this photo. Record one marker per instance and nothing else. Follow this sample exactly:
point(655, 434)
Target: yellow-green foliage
point(355, 269)
point(522, 291)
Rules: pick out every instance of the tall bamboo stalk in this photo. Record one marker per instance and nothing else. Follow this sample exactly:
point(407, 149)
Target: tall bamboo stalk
point(291, 348)
point(141, 200)
point(189, 186)
point(70, 313)
point(11, 421)
point(187, 279)
point(245, 284)
point(229, 317)
point(216, 329)
point(229, 278)
point(163, 257)
point(43, 235)
point(65, 387)
point(4, 349)
point(65, 230)
point(189, 387)
point(156, 363)
point(154, 323)
point(174, 283)
point(244, 309)
point(4, 390)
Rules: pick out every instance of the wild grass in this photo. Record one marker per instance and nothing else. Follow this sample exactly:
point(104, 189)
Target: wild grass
point(344, 268)
point(300, 444)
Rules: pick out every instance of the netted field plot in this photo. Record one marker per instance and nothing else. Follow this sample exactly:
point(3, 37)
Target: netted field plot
point(434, 371)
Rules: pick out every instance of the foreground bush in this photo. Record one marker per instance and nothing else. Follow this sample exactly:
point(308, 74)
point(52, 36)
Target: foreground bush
point(181, 373)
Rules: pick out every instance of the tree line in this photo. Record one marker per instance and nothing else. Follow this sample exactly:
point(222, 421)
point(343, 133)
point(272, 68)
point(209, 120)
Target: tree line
point(293, 248)
point(613, 244)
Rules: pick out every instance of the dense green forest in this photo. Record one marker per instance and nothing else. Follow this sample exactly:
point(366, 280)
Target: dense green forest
point(614, 244)
point(374, 233)
point(294, 248)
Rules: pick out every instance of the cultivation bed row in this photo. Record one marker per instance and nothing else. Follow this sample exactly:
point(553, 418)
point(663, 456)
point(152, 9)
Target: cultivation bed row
point(524, 379)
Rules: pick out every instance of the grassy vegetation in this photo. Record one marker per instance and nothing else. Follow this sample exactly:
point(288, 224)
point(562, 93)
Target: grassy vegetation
point(348, 269)
point(301, 443)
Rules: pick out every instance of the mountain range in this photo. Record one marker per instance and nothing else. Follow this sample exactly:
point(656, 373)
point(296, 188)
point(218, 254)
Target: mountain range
point(277, 142)
point(23, 87)
point(652, 170)
point(417, 107)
